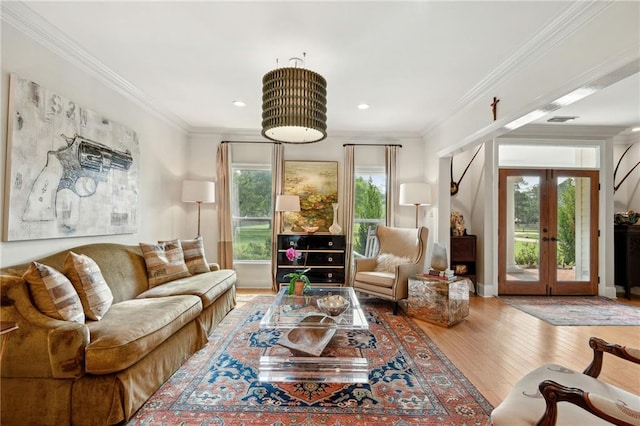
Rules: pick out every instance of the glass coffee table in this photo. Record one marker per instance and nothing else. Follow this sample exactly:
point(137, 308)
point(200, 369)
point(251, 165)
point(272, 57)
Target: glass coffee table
point(303, 329)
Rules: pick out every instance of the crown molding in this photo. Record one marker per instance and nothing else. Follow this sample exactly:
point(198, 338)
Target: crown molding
point(563, 26)
point(20, 16)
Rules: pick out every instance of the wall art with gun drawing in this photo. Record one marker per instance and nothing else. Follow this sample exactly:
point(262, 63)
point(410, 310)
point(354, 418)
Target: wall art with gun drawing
point(72, 172)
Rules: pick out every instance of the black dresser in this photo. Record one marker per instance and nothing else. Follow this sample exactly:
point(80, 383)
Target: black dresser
point(324, 253)
point(626, 249)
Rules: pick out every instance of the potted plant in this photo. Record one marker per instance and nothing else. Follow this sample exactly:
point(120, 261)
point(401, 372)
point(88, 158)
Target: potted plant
point(298, 281)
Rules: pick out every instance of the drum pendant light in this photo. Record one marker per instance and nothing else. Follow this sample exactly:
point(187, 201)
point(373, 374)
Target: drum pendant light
point(294, 104)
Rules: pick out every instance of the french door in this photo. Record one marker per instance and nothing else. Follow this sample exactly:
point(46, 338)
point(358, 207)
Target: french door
point(548, 232)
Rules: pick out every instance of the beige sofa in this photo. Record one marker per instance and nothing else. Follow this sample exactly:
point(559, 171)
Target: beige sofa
point(100, 372)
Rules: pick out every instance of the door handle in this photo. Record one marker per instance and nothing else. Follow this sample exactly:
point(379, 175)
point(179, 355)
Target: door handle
point(554, 239)
point(545, 239)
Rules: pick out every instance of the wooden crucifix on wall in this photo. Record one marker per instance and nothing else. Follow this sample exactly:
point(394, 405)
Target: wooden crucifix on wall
point(494, 108)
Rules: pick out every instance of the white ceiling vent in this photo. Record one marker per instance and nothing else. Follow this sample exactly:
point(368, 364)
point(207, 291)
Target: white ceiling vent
point(561, 118)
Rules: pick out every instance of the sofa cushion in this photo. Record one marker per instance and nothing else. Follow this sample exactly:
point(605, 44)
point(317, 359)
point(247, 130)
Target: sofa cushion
point(53, 293)
point(387, 262)
point(165, 262)
point(133, 328)
point(194, 255)
point(87, 279)
point(206, 286)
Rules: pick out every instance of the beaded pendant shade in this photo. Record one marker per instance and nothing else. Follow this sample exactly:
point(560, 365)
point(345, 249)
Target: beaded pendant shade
point(294, 105)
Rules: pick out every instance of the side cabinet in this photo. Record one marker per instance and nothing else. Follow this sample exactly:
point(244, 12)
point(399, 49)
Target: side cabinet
point(626, 249)
point(463, 258)
point(323, 253)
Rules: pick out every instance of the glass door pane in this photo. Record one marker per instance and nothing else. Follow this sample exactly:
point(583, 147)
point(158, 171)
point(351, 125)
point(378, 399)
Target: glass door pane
point(523, 228)
point(576, 232)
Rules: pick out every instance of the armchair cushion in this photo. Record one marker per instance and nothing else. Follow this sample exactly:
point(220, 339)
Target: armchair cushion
point(525, 405)
point(553, 394)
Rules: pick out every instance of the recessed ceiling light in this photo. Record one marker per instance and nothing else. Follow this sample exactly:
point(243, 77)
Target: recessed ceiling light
point(364, 106)
point(635, 129)
point(239, 104)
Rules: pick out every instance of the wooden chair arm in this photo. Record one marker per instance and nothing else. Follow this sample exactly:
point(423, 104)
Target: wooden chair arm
point(599, 347)
point(554, 392)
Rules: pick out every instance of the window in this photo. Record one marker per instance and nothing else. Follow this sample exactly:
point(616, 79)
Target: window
point(251, 212)
point(370, 205)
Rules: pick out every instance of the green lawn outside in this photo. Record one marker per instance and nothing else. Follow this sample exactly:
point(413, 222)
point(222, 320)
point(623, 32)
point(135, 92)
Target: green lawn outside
point(252, 242)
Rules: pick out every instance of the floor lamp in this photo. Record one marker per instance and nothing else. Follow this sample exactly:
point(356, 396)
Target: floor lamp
point(415, 194)
point(284, 204)
point(198, 191)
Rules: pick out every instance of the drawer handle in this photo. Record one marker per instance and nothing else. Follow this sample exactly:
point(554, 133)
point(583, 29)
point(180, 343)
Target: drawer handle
point(291, 243)
point(330, 243)
point(330, 275)
point(330, 259)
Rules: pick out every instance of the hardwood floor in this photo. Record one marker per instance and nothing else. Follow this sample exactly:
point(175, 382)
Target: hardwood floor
point(497, 344)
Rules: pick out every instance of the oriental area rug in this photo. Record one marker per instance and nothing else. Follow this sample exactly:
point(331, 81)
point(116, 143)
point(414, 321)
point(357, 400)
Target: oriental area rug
point(575, 310)
point(411, 382)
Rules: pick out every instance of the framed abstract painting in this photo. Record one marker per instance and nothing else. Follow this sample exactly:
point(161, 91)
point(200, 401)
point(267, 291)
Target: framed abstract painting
point(316, 183)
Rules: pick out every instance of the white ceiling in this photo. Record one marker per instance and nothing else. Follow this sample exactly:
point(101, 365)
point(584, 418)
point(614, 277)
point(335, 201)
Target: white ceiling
point(413, 62)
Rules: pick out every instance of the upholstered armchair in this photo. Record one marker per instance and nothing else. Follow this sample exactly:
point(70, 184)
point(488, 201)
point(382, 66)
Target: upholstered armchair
point(556, 395)
point(401, 254)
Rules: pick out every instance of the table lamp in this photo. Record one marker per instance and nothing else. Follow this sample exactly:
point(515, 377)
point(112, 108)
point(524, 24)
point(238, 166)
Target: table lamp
point(415, 194)
point(285, 204)
point(198, 191)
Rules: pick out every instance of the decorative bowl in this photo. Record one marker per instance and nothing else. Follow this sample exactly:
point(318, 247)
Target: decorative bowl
point(626, 218)
point(310, 229)
point(311, 336)
point(332, 305)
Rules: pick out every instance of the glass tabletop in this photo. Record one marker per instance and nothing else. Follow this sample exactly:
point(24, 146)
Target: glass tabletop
point(287, 311)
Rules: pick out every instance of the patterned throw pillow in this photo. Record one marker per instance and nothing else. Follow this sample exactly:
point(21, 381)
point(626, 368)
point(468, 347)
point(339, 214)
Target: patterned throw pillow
point(194, 255)
point(86, 277)
point(53, 293)
point(165, 262)
point(387, 262)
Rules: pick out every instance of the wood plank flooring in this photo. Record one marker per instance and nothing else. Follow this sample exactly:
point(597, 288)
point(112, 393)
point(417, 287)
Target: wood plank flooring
point(497, 344)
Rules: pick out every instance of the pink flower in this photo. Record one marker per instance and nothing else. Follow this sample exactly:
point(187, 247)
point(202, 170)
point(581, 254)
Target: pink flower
point(293, 254)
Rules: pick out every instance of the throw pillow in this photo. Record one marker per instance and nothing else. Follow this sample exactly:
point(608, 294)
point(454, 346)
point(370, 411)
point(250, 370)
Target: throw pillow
point(165, 262)
point(387, 262)
point(53, 293)
point(86, 277)
point(194, 255)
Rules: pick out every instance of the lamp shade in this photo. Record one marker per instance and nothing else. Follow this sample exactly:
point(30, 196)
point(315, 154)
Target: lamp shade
point(294, 105)
point(412, 194)
point(287, 203)
point(198, 191)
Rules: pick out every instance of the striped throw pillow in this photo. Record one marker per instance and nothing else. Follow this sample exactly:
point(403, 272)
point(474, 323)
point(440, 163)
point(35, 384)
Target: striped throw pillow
point(86, 277)
point(53, 293)
point(164, 261)
point(194, 255)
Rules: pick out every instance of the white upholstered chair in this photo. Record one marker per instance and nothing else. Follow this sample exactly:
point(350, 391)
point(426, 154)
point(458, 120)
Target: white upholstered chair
point(553, 394)
point(401, 254)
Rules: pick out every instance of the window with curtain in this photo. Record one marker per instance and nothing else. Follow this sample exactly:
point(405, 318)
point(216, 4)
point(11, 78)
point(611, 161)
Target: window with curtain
point(369, 207)
point(251, 211)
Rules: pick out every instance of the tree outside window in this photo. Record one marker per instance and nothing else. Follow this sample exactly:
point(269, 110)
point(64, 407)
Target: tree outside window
point(251, 212)
point(369, 208)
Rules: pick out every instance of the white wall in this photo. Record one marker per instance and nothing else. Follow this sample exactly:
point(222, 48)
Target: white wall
point(162, 147)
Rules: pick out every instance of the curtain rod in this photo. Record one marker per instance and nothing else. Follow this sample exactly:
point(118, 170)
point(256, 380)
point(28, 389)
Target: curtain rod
point(272, 142)
point(371, 144)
